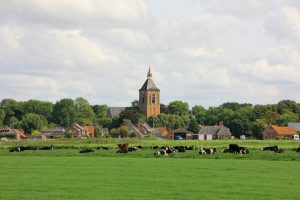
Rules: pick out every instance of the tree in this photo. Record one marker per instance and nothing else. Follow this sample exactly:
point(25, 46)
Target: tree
point(260, 111)
point(64, 112)
point(13, 122)
point(199, 112)
point(164, 108)
point(193, 126)
point(86, 115)
point(105, 122)
point(32, 121)
point(133, 115)
point(258, 128)
point(135, 104)
point(2, 117)
point(231, 105)
point(12, 108)
point(100, 111)
point(38, 107)
point(178, 108)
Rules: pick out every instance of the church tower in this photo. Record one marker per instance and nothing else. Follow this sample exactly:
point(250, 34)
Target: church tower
point(149, 97)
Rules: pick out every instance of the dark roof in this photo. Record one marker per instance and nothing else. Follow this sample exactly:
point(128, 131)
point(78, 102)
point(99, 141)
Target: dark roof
point(181, 130)
point(115, 111)
point(214, 130)
point(149, 85)
point(295, 126)
point(78, 127)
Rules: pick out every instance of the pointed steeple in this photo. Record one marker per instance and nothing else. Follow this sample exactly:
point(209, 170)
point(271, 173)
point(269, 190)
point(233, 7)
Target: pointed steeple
point(149, 74)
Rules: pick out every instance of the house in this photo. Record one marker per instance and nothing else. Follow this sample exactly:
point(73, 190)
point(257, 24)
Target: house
point(180, 134)
point(90, 130)
point(277, 132)
point(78, 130)
point(214, 132)
point(135, 131)
point(56, 132)
point(160, 132)
point(9, 133)
point(115, 111)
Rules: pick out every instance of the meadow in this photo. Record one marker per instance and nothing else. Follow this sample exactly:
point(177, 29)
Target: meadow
point(63, 173)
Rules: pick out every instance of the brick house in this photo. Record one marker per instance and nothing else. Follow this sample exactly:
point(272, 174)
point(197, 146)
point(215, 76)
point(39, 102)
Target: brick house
point(276, 132)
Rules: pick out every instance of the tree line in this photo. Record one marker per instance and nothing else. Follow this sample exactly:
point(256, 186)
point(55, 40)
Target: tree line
point(241, 119)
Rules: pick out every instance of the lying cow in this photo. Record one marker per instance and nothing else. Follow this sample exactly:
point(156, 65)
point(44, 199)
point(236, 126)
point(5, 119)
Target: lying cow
point(86, 150)
point(155, 147)
point(15, 149)
point(190, 148)
point(180, 148)
point(133, 148)
point(46, 148)
point(123, 148)
point(270, 148)
point(207, 150)
point(166, 151)
point(103, 148)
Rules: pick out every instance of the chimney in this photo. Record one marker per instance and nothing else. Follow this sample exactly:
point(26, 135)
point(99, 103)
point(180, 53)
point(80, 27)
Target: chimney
point(221, 123)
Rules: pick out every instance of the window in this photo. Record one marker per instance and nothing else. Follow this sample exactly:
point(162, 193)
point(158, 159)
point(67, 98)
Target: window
point(153, 99)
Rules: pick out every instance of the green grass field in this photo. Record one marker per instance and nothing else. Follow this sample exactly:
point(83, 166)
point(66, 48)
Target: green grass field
point(63, 173)
point(42, 177)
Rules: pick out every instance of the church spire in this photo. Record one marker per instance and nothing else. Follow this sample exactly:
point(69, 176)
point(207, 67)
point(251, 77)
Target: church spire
point(149, 74)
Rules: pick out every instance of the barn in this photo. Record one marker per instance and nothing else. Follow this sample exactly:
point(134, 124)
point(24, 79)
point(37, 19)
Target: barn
point(9, 133)
point(180, 134)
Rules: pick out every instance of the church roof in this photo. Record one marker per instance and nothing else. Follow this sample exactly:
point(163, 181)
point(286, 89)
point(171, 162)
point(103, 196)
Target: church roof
point(149, 85)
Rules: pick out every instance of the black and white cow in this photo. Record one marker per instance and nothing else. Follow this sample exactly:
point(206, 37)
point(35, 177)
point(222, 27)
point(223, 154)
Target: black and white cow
point(298, 149)
point(165, 150)
point(155, 147)
point(270, 148)
point(234, 148)
point(132, 148)
point(103, 148)
point(207, 150)
point(86, 150)
point(180, 148)
point(15, 149)
point(46, 148)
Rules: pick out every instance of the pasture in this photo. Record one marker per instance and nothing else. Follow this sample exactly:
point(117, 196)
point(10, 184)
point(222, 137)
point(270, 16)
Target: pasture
point(79, 177)
point(63, 173)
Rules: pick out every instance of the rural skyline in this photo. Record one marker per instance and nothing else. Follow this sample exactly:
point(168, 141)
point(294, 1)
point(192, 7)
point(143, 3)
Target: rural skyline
point(202, 52)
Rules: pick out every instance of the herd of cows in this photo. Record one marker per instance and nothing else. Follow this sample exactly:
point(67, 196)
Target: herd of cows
point(163, 150)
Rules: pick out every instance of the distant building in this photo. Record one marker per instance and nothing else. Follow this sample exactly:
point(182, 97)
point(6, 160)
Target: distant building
point(149, 97)
point(161, 132)
point(180, 134)
point(9, 133)
point(277, 132)
point(90, 130)
point(214, 132)
point(56, 132)
point(78, 130)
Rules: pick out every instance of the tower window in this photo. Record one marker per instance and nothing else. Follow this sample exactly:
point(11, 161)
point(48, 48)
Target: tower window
point(153, 99)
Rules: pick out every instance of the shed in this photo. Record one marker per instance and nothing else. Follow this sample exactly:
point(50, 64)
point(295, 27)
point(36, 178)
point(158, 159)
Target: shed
point(214, 133)
point(180, 134)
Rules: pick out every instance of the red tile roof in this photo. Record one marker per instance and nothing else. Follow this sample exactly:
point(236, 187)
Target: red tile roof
point(286, 130)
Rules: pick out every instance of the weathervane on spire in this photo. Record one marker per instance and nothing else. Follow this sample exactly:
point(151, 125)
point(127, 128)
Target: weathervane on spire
point(149, 74)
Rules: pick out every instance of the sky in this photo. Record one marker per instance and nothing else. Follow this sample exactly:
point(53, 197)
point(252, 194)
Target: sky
point(204, 52)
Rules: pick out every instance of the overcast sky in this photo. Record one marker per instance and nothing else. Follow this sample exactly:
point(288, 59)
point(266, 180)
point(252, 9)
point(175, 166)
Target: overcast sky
point(204, 52)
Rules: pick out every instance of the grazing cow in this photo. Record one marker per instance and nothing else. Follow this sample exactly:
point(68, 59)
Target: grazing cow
point(207, 150)
point(123, 148)
point(15, 149)
point(243, 150)
point(86, 150)
point(279, 151)
point(46, 148)
point(234, 148)
point(103, 148)
point(298, 149)
point(270, 148)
